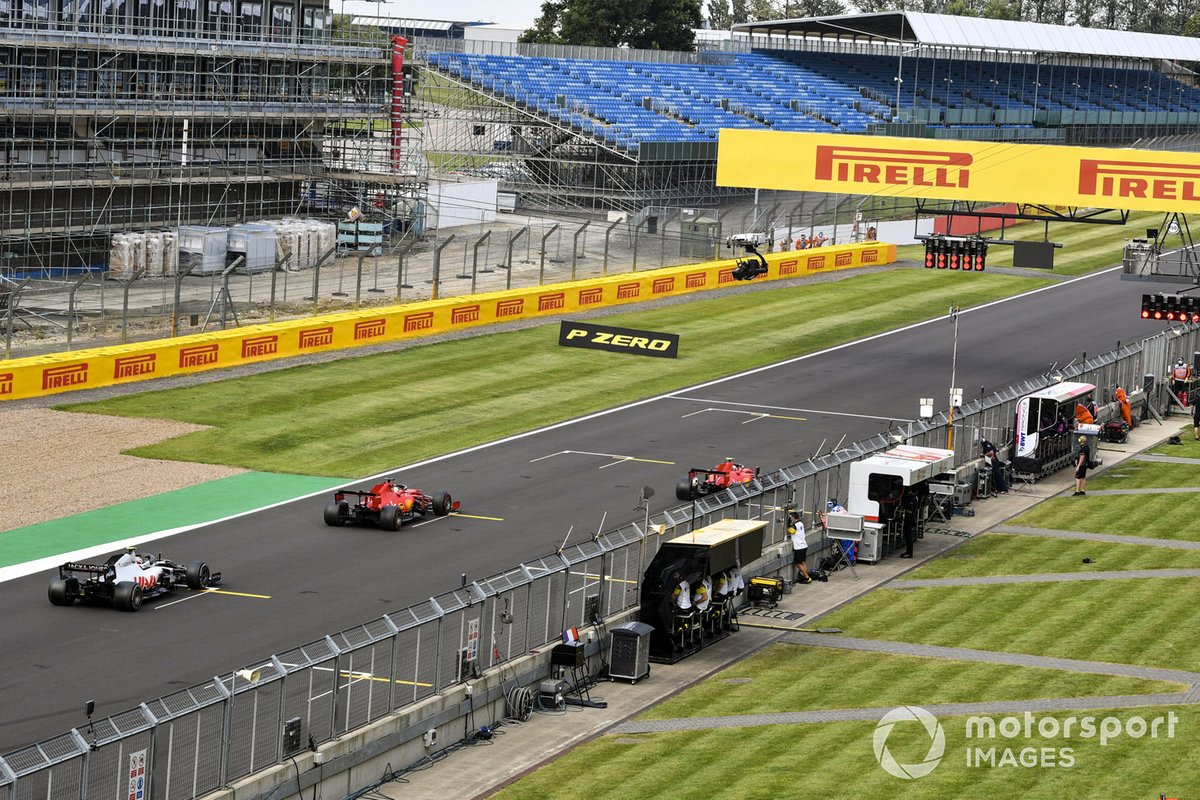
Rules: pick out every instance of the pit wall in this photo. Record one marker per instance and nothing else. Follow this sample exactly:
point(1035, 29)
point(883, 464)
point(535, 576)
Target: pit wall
point(105, 366)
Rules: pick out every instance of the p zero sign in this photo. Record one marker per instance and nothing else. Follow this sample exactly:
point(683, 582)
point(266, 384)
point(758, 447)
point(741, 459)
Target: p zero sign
point(618, 340)
point(1094, 177)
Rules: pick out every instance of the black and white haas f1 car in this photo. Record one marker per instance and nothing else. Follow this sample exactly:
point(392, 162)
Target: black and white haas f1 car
point(126, 580)
point(388, 505)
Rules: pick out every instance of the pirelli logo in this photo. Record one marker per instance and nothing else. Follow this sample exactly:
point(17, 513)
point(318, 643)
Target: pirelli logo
point(815, 262)
point(843, 259)
point(464, 314)
point(549, 302)
point(725, 276)
point(887, 167)
point(626, 291)
point(870, 256)
point(420, 321)
point(618, 340)
point(662, 285)
point(315, 337)
point(510, 308)
point(257, 346)
point(695, 280)
point(6, 383)
point(589, 297)
point(1144, 181)
point(369, 329)
point(198, 355)
point(132, 366)
point(64, 377)
point(790, 267)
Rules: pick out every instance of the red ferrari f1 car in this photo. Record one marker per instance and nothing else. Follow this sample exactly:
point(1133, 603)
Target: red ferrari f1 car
point(388, 506)
point(700, 482)
point(126, 579)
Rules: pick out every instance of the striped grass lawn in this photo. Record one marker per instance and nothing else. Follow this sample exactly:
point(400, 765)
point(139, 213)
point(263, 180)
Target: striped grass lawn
point(1188, 447)
point(1145, 622)
point(787, 677)
point(1005, 554)
point(361, 415)
point(1134, 474)
point(1085, 246)
point(1157, 516)
point(836, 761)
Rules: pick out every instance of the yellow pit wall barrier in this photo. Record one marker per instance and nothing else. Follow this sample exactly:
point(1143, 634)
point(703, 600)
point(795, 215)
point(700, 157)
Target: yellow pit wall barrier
point(104, 366)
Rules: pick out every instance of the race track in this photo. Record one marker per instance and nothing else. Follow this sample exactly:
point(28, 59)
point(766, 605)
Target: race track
point(322, 579)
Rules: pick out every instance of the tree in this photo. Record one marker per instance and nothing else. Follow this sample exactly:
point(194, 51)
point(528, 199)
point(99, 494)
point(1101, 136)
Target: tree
point(649, 24)
point(1192, 26)
point(999, 9)
point(720, 15)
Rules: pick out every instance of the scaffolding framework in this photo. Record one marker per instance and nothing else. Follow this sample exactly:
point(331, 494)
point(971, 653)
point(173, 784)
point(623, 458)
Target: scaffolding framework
point(159, 113)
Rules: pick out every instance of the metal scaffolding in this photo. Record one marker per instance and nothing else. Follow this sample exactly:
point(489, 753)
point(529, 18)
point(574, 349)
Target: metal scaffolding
point(145, 114)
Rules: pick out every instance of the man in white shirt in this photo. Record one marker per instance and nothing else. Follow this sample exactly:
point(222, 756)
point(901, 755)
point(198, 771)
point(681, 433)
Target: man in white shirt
point(795, 532)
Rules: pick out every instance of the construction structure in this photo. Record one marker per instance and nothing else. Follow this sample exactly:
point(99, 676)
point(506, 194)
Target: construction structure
point(131, 115)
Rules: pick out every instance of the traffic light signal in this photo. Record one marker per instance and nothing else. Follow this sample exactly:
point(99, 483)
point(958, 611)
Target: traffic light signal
point(1170, 308)
point(962, 254)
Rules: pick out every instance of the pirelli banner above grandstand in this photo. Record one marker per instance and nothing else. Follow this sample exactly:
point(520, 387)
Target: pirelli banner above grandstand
point(1094, 177)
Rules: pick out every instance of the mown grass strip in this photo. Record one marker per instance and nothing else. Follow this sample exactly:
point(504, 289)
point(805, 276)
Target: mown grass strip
point(361, 415)
point(1157, 516)
point(787, 677)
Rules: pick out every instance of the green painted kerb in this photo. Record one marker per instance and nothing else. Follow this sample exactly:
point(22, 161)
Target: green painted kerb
point(195, 504)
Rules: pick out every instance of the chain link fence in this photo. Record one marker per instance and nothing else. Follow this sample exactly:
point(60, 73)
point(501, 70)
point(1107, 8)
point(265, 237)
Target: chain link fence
point(202, 738)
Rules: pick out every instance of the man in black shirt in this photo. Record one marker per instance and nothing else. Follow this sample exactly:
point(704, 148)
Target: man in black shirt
point(1081, 467)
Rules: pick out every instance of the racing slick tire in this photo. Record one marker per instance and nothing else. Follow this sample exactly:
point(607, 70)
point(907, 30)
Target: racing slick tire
point(63, 591)
point(197, 575)
point(335, 514)
point(389, 518)
point(127, 596)
point(684, 490)
point(442, 503)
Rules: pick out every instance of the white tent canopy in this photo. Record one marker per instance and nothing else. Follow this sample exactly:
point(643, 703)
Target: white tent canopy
point(974, 33)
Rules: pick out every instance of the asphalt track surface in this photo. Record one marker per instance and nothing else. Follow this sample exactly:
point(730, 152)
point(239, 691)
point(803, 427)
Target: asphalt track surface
point(535, 487)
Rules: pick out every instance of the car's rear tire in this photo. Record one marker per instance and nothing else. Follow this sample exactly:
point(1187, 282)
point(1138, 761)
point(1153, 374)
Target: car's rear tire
point(389, 518)
point(127, 596)
point(683, 490)
point(442, 503)
point(63, 591)
point(335, 514)
point(198, 575)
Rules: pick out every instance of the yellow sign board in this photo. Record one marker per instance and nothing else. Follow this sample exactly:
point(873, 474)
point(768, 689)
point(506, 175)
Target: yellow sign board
point(1088, 177)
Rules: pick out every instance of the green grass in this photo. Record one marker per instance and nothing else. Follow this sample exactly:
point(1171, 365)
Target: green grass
point(787, 677)
point(835, 760)
point(1085, 247)
point(361, 415)
point(1147, 475)
point(1146, 622)
point(1187, 448)
point(1001, 554)
point(1157, 516)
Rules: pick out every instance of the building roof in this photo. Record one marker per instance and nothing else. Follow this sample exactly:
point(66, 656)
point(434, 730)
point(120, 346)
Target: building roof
point(943, 30)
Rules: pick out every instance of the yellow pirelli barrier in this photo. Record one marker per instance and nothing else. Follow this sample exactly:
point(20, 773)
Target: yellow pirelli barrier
point(1090, 177)
point(105, 366)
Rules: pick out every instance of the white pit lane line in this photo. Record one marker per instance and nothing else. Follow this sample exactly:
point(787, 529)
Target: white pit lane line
point(773, 408)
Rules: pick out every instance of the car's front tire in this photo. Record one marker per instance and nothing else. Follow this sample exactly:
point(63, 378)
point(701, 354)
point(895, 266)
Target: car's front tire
point(198, 575)
point(127, 596)
point(442, 503)
point(684, 490)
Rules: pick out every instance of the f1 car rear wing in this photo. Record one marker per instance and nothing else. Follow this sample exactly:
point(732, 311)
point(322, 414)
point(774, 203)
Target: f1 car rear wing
point(95, 569)
point(341, 493)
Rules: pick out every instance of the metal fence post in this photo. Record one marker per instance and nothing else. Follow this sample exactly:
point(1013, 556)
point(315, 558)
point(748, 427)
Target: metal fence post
point(337, 674)
point(437, 265)
point(14, 297)
point(84, 770)
point(636, 228)
point(575, 246)
point(282, 670)
point(475, 259)
point(226, 730)
point(179, 276)
point(542, 265)
point(512, 240)
point(316, 290)
point(400, 282)
point(282, 264)
point(608, 232)
point(437, 662)
point(125, 304)
point(71, 307)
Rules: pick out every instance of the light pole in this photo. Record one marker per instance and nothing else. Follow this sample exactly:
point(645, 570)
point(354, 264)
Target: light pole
point(955, 393)
point(900, 77)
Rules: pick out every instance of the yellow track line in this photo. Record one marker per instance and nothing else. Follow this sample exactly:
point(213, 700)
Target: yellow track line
point(238, 594)
point(474, 516)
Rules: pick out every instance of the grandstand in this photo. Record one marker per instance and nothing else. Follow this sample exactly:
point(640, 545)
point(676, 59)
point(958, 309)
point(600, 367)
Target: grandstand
point(602, 129)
